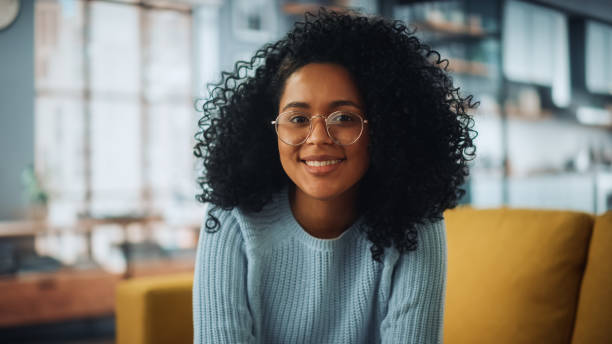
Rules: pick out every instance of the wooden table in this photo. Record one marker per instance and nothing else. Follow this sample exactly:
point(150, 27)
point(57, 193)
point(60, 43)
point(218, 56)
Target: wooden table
point(69, 293)
point(33, 298)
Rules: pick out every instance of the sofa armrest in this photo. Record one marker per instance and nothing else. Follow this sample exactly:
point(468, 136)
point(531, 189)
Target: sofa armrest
point(154, 310)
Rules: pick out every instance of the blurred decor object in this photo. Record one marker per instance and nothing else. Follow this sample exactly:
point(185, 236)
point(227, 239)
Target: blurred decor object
point(9, 10)
point(145, 220)
point(435, 16)
point(8, 262)
point(488, 106)
point(584, 159)
point(529, 103)
point(35, 193)
point(594, 116)
point(19, 257)
point(253, 20)
point(33, 263)
point(526, 102)
point(475, 24)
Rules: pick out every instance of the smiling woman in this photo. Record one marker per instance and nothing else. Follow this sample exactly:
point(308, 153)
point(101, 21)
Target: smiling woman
point(325, 173)
point(330, 230)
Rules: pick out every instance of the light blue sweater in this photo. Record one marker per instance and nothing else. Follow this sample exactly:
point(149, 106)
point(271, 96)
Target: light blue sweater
point(262, 279)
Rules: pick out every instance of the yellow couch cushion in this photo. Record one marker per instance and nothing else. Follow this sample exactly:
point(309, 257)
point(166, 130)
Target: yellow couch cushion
point(155, 310)
point(594, 317)
point(513, 275)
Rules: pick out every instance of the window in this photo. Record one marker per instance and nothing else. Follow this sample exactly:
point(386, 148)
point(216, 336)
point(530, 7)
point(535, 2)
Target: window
point(114, 110)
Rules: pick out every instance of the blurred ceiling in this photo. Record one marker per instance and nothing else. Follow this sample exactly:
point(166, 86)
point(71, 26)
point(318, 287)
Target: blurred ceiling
point(597, 9)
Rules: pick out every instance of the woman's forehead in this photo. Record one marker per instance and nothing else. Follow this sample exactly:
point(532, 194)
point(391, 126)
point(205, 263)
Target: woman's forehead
point(321, 83)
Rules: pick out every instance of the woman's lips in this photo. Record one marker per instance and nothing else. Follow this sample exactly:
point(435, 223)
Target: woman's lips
point(327, 166)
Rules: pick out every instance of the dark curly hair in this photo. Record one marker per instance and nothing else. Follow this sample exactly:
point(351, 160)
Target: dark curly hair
point(421, 138)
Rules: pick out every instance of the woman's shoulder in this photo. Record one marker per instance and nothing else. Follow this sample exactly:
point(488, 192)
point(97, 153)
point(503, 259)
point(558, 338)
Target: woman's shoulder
point(255, 227)
point(273, 212)
point(431, 243)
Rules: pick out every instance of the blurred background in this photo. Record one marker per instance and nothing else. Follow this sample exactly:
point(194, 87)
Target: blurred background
point(97, 118)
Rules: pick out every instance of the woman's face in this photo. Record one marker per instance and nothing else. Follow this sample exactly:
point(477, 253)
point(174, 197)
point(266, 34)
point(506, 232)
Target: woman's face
point(320, 89)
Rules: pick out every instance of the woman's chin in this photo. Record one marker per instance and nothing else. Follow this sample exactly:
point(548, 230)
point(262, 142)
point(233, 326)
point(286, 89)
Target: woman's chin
point(322, 192)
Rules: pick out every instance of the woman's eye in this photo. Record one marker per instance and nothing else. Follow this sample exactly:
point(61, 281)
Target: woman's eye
point(343, 117)
point(299, 119)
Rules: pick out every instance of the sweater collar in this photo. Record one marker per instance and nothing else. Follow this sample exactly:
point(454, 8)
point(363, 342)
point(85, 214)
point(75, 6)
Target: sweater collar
point(287, 217)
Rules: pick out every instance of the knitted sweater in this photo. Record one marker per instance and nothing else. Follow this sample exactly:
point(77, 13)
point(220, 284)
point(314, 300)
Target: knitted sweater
point(263, 279)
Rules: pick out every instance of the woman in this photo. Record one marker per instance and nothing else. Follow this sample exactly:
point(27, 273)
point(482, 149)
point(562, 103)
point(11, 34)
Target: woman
point(329, 230)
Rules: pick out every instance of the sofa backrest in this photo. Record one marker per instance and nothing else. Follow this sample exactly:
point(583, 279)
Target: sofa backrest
point(514, 275)
point(594, 316)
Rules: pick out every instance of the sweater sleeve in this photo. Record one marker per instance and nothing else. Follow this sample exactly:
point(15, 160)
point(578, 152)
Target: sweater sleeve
point(220, 307)
point(418, 284)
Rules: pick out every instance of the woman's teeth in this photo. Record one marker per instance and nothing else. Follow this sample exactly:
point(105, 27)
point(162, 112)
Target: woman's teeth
point(321, 163)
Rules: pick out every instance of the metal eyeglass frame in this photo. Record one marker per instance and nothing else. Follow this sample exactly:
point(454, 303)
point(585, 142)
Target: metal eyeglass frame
point(310, 120)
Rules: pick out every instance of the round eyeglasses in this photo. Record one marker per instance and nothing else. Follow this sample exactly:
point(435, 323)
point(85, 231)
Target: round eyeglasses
point(294, 127)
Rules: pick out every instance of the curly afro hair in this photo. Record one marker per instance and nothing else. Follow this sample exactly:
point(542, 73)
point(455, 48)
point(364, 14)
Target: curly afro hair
point(421, 138)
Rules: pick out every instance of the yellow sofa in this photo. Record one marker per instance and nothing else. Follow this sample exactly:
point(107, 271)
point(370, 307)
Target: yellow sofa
point(514, 276)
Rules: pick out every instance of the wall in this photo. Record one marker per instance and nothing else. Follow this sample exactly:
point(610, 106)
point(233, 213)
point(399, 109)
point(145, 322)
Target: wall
point(16, 109)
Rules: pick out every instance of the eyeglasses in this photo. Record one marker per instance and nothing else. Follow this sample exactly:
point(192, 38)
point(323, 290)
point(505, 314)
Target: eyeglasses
point(343, 127)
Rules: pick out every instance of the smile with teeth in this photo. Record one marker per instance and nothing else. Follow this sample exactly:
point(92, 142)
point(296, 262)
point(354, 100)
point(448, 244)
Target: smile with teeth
point(321, 163)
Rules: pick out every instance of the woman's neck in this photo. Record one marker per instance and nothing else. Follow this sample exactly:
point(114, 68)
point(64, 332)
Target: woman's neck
point(325, 219)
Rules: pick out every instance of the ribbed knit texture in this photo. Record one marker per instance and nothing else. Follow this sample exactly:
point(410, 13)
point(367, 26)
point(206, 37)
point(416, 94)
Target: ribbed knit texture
point(263, 279)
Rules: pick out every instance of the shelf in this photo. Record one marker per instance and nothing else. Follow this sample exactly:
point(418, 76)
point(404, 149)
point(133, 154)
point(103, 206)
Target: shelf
point(461, 66)
point(22, 228)
point(81, 226)
point(547, 115)
point(453, 29)
point(544, 115)
point(298, 9)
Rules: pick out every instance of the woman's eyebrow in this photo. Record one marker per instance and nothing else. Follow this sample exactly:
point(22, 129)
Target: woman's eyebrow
point(300, 105)
point(335, 103)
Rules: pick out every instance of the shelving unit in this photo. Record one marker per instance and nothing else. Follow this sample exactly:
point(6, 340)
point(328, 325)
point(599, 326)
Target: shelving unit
point(470, 35)
point(467, 34)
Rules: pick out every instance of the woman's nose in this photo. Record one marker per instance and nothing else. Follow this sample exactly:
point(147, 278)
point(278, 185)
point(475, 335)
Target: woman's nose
point(319, 132)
